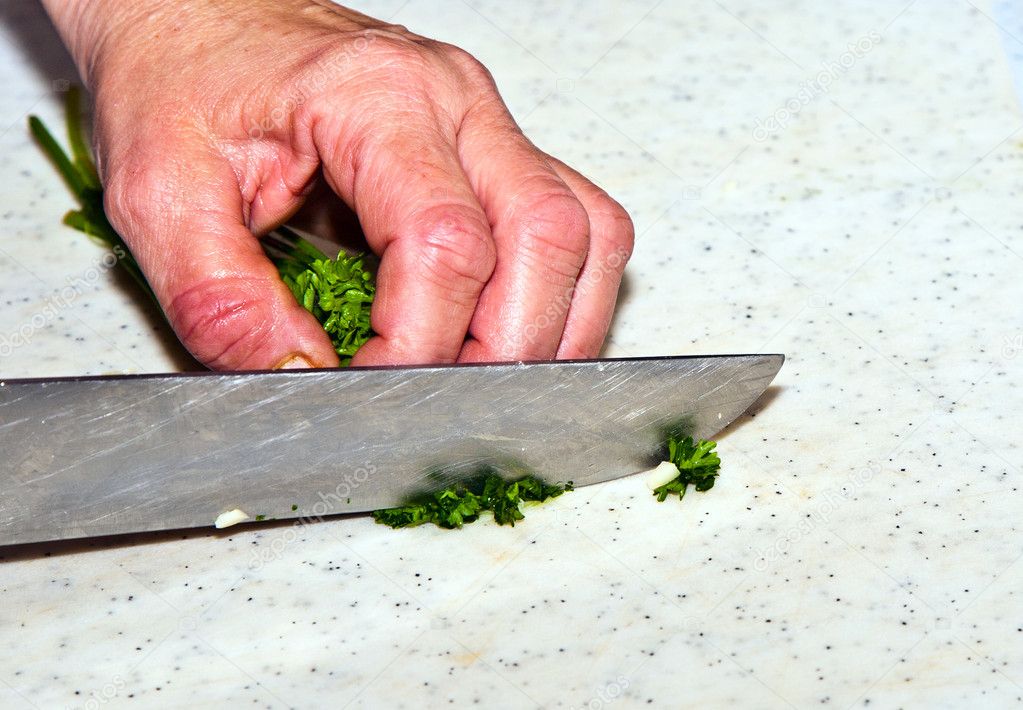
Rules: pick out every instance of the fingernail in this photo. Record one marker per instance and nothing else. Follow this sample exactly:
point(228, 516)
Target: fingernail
point(294, 362)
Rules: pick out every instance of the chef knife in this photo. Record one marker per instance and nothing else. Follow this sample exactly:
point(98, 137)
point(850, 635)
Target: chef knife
point(88, 456)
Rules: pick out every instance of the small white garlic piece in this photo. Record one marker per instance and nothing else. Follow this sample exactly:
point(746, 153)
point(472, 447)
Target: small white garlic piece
point(231, 517)
point(664, 472)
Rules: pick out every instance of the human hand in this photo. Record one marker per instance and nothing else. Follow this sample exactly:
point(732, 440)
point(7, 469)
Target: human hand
point(212, 121)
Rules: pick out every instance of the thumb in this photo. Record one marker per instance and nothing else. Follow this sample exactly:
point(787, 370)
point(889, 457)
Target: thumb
point(182, 219)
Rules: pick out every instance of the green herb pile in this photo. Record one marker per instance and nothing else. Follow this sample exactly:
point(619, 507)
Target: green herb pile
point(697, 464)
point(465, 501)
point(338, 292)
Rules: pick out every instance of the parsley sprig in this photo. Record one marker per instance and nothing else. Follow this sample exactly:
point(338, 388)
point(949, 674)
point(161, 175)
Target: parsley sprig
point(79, 172)
point(697, 464)
point(463, 502)
point(338, 292)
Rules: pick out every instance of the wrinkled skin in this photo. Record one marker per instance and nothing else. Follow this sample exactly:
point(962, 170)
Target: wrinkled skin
point(212, 120)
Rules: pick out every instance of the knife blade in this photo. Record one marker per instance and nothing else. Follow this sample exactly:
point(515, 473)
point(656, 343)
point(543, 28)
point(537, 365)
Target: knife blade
point(90, 456)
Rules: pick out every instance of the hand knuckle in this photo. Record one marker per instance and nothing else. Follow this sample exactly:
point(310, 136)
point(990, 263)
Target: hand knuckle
point(134, 194)
point(395, 77)
point(455, 245)
point(369, 59)
point(556, 232)
point(393, 48)
point(222, 321)
point(392, 30)
point(468, 66)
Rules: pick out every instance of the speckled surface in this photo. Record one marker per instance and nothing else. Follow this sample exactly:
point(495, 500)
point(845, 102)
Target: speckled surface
point(862, 547)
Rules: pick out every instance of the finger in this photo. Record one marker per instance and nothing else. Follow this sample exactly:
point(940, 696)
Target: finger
point(421, 216)
point(611, 242)
point(542, 233)
point(182, 219)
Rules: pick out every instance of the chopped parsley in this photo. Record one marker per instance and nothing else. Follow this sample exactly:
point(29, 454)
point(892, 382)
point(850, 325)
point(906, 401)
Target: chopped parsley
point(463, 502)
point(338, 292)
point(697, 463)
